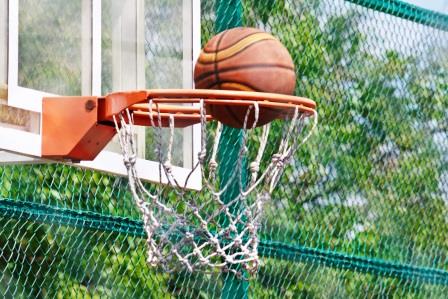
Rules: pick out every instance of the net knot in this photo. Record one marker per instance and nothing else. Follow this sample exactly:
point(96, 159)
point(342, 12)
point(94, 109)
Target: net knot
point(212, 165)
point(237, 242)
point(254, 167)
point(198, 253)
point(130, 160)
point(229, 259)
point(214, 241)
point(201, 157)
point(252, 266)
point(152, 260)
point(204, 261)
point(278, 160)
point(168, 166)
point(220, 252)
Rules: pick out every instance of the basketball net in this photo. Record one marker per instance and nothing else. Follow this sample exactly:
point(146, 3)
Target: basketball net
point(199, 231)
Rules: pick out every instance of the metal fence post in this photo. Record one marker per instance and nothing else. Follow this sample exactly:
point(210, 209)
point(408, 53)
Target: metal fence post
point(229, 15)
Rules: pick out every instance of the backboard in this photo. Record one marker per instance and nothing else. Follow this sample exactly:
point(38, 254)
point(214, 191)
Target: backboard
point(94, 47)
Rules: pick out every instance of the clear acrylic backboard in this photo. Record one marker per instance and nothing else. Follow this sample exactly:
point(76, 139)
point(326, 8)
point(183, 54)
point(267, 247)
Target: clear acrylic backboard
point(94, 47)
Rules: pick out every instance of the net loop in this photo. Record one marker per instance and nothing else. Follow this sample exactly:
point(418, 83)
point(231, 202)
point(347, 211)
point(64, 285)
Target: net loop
point(277, 159)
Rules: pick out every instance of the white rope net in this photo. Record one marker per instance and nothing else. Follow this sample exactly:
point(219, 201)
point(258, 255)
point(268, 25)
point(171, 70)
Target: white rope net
point(217, 227)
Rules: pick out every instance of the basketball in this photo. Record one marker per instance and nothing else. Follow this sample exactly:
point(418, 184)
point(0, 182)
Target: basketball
point(246, 59)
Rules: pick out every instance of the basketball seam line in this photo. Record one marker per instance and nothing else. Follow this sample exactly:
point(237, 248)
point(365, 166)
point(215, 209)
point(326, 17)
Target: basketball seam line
point(216, 58)
point(229, 69)
point(211, 86)
point(237, 41)
point(224, 59)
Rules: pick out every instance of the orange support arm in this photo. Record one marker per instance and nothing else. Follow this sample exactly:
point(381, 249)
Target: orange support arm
point(78, 128)
point(70, 128)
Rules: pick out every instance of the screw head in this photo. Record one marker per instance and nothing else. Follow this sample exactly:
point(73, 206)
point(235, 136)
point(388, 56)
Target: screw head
point(90, 105)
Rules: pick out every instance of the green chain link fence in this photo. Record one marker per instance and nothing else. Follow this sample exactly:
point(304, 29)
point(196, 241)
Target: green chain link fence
point(362, 212)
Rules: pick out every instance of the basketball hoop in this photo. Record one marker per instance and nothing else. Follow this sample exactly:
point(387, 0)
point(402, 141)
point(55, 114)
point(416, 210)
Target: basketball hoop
point(208, 233)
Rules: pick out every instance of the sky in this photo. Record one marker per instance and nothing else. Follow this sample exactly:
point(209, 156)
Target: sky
point(436, 5)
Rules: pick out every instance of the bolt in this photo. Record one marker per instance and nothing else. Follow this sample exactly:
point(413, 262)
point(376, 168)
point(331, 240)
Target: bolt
point(90, 105)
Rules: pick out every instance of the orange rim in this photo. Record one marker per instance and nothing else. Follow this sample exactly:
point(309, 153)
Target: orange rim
point(181, 120)
point(114, 103)
point(164, 108)
point(195, 95)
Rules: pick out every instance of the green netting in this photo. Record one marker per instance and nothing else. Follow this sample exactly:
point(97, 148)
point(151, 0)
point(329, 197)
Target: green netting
point(362, 212)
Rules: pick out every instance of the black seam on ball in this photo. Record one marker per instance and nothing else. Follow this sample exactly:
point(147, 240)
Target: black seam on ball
point(237, 41)
point(214, 85)
point(236, 53)
point(243, 67)
point(216, 59)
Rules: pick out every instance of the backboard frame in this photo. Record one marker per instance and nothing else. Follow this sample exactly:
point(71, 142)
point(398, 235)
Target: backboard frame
point(24, 146)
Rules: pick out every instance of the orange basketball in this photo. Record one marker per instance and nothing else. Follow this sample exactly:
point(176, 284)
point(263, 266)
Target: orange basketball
point(245, 59)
